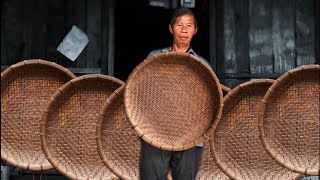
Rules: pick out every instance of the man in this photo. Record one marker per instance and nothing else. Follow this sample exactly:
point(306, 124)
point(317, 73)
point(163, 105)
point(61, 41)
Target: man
point(183, 26)
point(155, 163)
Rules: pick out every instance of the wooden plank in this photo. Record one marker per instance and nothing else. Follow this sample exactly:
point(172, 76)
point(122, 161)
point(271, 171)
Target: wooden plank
point(260, 36)
point(108, 41)
point(200, 42)
point(304, 28)
point(220, 41)
point(34, 29)
point(105, 37)
point(229, 37)
point(235, 43)
point(4, 46)
point(241, 35)
point(283, 35)
point(252, 76)
point(4, 24)
point(11, 32)
point(93, 55)
point(27, 34)
point(85, 70)
point(317, 30)
point(75, 14)
point(212, 34)
point(111, 40)
point(38, 30)
point(56, 32)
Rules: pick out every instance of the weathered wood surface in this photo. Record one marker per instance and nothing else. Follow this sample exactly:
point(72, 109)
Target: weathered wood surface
point(260, 36)
point(305, 32)
point(266, 38)
point(33, 29)
point(248, 37)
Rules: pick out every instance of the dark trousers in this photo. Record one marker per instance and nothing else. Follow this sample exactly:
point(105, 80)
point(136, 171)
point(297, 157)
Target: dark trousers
point(155, 163)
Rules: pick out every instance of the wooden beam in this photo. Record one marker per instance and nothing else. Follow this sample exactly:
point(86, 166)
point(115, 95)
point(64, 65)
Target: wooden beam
point(74, 70)
point(252, 76)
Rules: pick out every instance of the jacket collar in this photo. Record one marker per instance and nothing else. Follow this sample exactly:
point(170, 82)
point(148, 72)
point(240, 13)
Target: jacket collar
point(190, 50)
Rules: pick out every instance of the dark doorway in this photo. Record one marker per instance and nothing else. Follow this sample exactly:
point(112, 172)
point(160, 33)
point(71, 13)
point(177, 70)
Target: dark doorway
point(140, 28)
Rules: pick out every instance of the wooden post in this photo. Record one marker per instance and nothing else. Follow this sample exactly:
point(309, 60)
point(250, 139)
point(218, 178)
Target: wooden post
point(108, 32)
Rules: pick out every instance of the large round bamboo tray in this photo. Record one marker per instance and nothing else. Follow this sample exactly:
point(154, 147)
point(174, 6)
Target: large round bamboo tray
point(289, 123)
point(68, 127)
point(236, 147)
point(172, 99)
point(25, 89)
point(208, 168)
point(119, 145)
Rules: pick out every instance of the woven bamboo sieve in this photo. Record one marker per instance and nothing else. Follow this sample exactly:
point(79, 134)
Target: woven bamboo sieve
point(289, 122)
point(172, 99)
point(68, 126)
point(208, 168)
point(25, 89)
point(236, 147)
point(119, 145)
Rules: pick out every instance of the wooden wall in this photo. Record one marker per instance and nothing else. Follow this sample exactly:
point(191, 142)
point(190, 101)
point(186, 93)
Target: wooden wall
point(248, 38)
point(35, 28)
point(262, 38)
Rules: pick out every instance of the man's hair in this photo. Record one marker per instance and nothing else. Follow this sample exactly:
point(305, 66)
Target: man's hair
point(180, 12)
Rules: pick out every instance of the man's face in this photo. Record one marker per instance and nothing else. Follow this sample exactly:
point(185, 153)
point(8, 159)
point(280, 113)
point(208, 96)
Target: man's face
point(183, 30)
